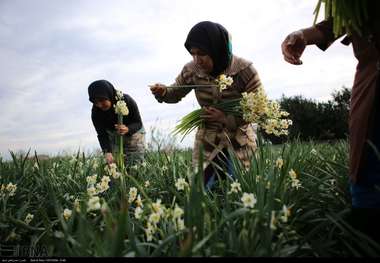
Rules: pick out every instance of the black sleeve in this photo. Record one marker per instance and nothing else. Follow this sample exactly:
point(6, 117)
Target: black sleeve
point(100, 128)
point(133, 119)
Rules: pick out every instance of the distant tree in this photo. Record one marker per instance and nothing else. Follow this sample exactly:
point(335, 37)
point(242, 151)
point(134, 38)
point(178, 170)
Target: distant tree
point(317, 120)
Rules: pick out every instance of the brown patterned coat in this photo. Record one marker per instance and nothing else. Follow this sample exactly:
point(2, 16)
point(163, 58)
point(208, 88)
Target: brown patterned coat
point(237, 135)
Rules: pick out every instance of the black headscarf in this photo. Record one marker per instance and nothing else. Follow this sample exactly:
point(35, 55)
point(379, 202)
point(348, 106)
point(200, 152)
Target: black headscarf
point(213, 39)
point(101, 89)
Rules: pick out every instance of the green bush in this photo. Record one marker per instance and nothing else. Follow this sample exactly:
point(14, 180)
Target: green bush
point(319, 121)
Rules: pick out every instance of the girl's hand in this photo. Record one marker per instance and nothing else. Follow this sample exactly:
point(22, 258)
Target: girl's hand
point(214, 115)
point(158, 90)
point(121, 129)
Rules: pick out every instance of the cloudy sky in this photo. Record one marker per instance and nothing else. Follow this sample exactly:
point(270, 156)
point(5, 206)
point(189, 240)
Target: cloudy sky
point(51, 50)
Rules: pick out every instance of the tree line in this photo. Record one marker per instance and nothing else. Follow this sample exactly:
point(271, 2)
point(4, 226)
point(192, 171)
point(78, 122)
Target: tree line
point(317, 121)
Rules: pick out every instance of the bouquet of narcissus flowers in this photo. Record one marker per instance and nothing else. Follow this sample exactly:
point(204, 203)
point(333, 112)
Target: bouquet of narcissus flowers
point(256, 108)
point(348, 16)
point(121, 110)
point(253, 107)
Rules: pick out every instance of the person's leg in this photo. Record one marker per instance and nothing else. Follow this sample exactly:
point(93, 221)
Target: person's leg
point(365, 215)
point(217, 169)
point(366, 192)
point(134, 149)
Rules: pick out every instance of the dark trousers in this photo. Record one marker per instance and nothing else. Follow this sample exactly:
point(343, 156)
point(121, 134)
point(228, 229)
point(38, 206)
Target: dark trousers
point(217, 168)
point(365, 193)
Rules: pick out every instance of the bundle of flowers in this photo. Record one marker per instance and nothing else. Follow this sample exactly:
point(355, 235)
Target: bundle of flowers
point(253, 107)
point(347, 16)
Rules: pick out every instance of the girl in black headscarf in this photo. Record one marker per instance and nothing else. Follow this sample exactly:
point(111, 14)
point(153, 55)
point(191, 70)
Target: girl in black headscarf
point(103, 96)
point(213, 39)
point(209, 44)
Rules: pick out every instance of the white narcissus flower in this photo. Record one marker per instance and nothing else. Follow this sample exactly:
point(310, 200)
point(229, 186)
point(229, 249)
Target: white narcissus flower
point(110, 167)
point(167, 213)
point(93, 203)
point(11, 189)
point(116, 175)
point(95, 165)
point(138, 212)
point(149, 231)
point(332, 182)
point(67, 214)
point(103, 185)
point(77, 205)
point(157, 208)
point(249, 200)
point(29, 217)
point(147, 183)
point(177, 212)
point(36, 166)
point(154, 218)
point(235, 188)
point(285, 214)
point(279, 163)
point(286, 114)
point(119, 95)
point(132, 194)
point(293, 174)
point(139, 202)
point(181, 184)
point(91, 180)
point(180, 224)
point(295, 182)
point(284, 124)
point(112, 170)
point(273, 221)
point(223, 82)
point(91, 191)
point(267, 114)
point(121, 108)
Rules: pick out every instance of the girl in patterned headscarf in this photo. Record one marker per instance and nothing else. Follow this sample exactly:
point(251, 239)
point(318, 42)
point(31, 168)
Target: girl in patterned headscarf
point(209, 44)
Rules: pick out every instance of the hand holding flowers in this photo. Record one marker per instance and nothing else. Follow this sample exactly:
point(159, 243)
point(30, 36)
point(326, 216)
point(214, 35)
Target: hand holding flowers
point(253, 107)
point(213, 115)
point(121, 129)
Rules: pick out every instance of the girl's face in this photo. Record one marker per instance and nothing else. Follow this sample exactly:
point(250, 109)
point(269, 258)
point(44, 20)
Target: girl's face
point(203, 60)
point(103, 104)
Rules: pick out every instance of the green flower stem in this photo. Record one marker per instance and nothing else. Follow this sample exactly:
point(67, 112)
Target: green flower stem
point(120, 164)
point(193, 120)
point(348, 15)
point(121, 148)
point(193, 86)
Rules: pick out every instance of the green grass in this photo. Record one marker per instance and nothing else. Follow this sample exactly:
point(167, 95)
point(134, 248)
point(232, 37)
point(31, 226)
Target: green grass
point(216, 223)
